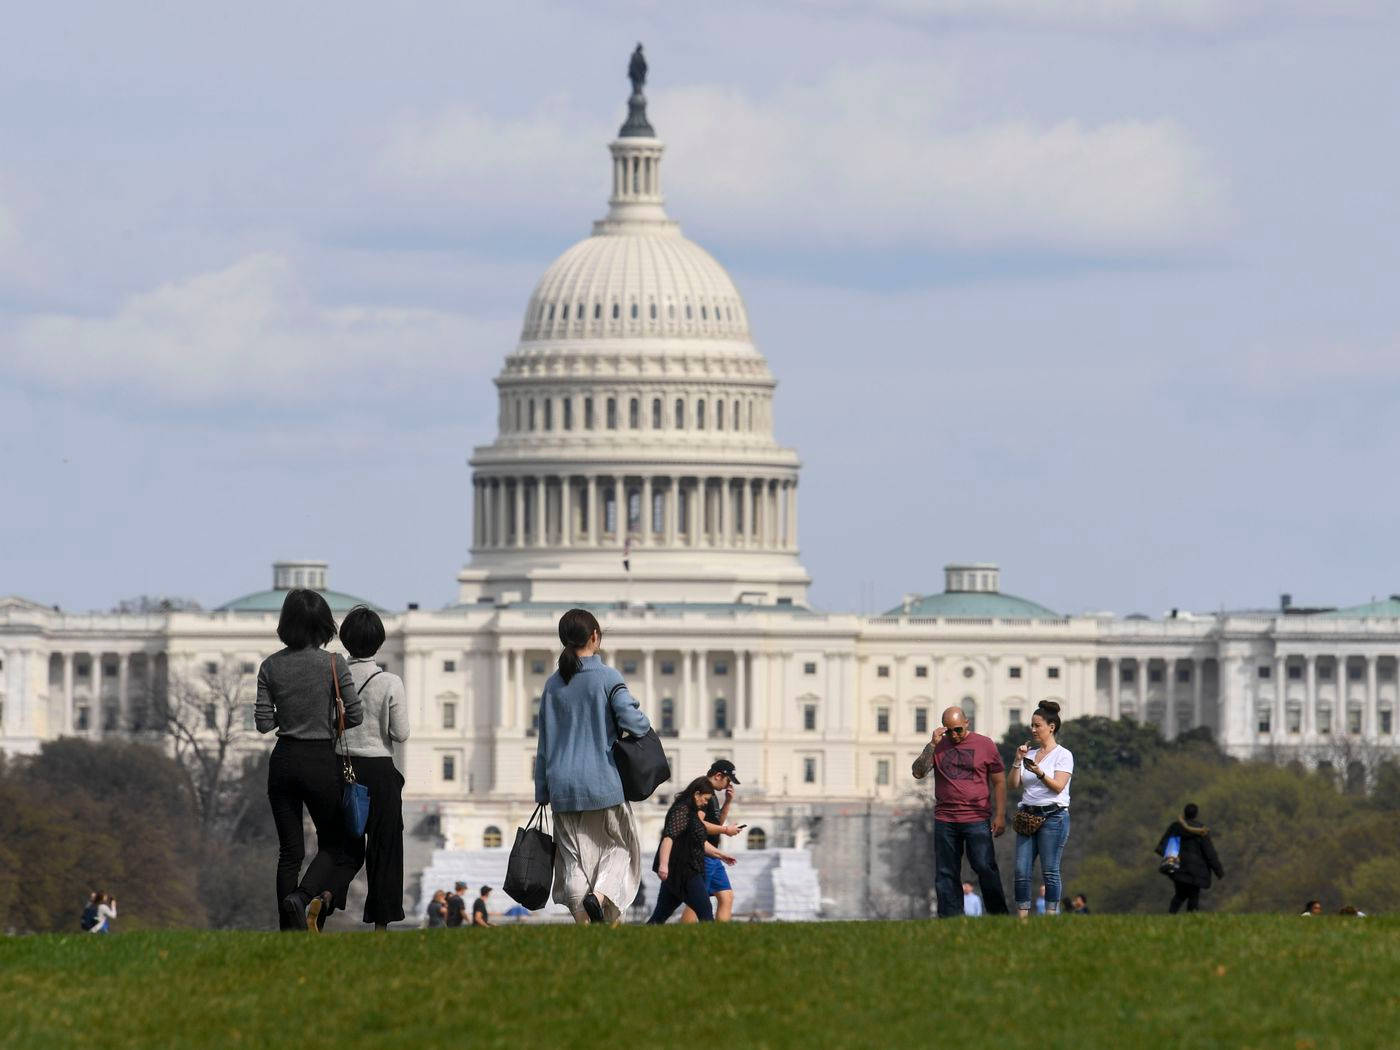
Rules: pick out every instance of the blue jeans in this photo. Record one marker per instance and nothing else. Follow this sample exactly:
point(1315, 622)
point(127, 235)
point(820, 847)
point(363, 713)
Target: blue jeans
point(949, 841)
point(693, 894)
point(1048, 843)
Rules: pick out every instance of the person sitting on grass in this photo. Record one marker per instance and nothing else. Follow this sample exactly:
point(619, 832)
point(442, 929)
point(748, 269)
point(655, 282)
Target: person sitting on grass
point(1313, 907)
point(680, 858)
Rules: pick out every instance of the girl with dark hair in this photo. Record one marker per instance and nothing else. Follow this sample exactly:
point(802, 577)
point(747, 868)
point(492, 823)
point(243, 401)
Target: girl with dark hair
point(1195, 860)
point(680, 859)
point(1042, 819)
point(297, 696)
point(371, 747)
point(585, 705)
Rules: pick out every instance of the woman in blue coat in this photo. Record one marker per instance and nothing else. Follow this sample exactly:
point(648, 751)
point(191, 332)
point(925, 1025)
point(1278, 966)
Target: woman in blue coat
point(598, 857)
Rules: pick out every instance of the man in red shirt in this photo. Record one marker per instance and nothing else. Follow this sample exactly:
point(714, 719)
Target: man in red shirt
point(967, 776)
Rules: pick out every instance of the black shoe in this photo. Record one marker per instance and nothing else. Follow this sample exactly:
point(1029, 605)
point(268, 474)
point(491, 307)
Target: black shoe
point(292, 912)
point(593, 908)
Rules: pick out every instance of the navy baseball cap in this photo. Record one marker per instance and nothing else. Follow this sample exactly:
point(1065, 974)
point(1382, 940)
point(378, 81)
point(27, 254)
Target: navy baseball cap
point(723, 765)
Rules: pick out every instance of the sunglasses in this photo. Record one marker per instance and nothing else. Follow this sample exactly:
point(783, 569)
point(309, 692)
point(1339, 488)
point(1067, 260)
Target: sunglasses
point(958, 730)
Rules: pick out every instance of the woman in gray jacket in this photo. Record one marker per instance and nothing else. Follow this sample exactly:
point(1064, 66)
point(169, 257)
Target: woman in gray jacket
point(598, 857)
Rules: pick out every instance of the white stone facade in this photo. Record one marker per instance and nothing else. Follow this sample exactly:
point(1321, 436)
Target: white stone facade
point(636, 425)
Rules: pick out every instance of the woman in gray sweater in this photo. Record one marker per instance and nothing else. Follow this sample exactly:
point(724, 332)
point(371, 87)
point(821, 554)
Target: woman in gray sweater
point(371, 747)
point(297, 697)
point(598, 858)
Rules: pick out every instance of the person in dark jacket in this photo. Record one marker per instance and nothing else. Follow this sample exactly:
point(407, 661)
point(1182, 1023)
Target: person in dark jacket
point(680, 858)
point(297, 689)
point(1197, 860)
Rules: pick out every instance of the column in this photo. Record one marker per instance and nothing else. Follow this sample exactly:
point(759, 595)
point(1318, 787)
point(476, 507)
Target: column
point(541, 512)
point(1277, 728)
point(646, 522)
point(566, 511)
point(1197, 692)
point(97, 718)
point(673, 497)
point(498, 500)
point(792, 515)
point(687, 689)
point(504, 709)
point(1169, 679)
point(592, 511)
point(1368, 720)
point(699, 717)
point(694, 507)
point(726, 516)
point(650, 705)
point(124, 691)
point(476, 512)
point(741, 691)
point(1115, 677)
point(522, 714)
point(519, 512)
point(750, 533)
point(619, 512)
point(1310, 698)
point(1339, 716)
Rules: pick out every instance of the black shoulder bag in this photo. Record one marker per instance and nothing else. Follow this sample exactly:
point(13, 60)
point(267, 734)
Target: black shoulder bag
point(640, 760)
point(530, 870)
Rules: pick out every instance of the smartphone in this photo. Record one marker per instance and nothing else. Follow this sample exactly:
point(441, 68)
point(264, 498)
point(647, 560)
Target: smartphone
point(742, 826)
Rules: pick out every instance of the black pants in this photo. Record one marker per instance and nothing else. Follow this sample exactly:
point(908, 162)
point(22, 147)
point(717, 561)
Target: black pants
point(1187, 893)
point(695, 895)
point(307, 773)
point(383, 838)
point(949, 841)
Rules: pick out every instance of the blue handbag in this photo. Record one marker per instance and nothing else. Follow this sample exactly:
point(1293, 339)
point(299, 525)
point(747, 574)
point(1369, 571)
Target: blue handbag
point(354, 796)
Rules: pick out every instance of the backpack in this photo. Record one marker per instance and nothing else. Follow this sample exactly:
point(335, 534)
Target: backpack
point(89, 917)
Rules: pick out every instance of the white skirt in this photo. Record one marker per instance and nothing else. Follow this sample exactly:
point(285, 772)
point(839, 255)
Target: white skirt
point(597, 851)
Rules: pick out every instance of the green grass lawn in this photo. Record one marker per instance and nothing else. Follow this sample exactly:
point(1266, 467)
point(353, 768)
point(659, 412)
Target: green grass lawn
point(1159, 982)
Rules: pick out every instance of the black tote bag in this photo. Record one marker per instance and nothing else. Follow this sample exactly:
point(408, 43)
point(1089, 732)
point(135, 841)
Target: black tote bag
point(640, 760)
point(530, 871)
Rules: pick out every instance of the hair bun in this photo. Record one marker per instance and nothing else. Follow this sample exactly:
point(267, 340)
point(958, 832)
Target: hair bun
point(1049, 705)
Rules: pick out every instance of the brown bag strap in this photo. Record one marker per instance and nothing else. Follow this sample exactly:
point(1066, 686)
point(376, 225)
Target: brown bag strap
point(347, 768)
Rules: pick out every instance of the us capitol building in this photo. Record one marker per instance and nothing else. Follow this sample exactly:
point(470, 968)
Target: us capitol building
point(636, 471)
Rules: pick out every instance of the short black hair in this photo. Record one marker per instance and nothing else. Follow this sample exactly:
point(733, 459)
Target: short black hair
point(306, 620)
point(485, 890)
point(1190, 811)
point(362, 632)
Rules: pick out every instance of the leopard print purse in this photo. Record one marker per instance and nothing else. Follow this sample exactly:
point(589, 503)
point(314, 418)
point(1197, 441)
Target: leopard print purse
point(1027, 823)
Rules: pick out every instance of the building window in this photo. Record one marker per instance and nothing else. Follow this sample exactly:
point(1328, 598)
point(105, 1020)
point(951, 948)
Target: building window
point(1324, 672)
point(597, 311)
point(920, 670)
point(656, 413)
point(612, 413)
point(968, 672)
point(1183, 673)
point(517, 413)
point(809, 771)
point(882, 772)
point(629, 666)
point(634, 311)
point(1295, 672)
point(667, 667)
point(535, 716)
point(809, 668)
point(1354, 721)
point(700, 414)
point(1127, 675)
point(721, 715)
point(211, 717)
point(1324, 720)
point(1264, 720)
point(680, 414)
point(1354, 672)
point(537, 667)
point(1384, 718)
point(1154, 674)
point(549, 413)
point(1052, 672)
point(588, 413)
point(1385, 672)
point(617, 311)
point(247, 667)
point(568, 404)
point(921, 719)
point(634, 415)
point(668, 717)
point(719, 415)
point(449, 715)
point(1294, 718)
point(882, 720)
point(721, 668)
point(757, 839)
point(809, 717)
point(449, 767)
point(491, 838)
point(211, 667)
point(1013, 716)
point(1014, 672)
point(882, 671)
point(449, 667)
point(80, 718)
point(1265, 671)
point(532, 413)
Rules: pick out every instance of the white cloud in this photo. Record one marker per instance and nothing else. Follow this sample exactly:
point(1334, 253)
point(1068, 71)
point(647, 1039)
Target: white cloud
point(1193, 15)
point(250, 330)
point(877, 156)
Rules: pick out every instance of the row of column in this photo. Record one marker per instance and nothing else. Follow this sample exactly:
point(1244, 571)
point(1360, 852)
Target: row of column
point(1171, 723)
point(97, 721)
point(597, 511)
point(1310, 724)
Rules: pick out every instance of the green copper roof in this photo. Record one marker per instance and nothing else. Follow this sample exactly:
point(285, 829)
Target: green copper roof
point(271, 601)
point(982, 604)
point(1385, 609)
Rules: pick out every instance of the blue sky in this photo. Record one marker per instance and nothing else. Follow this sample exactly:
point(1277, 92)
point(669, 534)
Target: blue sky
point(1101, 290)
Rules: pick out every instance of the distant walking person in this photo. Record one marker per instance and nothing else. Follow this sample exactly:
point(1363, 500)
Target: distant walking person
point(437, 910)
point(89, 918)
point(969, 788)
point(1195, 861)
point(1042, 819)
point(680, 858)
point(106, 912)
point(457, 906)
point(597, 858)
point(371, 746)
point(722, 777)
point(480, 917)
point(297, 697)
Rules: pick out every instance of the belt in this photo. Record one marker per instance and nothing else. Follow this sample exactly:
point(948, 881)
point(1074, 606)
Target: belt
point(1045, 810)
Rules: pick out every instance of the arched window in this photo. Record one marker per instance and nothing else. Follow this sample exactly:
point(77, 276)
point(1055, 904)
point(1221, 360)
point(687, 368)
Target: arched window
point(597, 311)
point(568, 413)
point(549, 413)
point(634, 414)
point(653, 311)
point(668, 717)
point(588, 413)
point(491, 838)
point(612, 413)
point(656, 413)
point(704, 313)
point(634, 311)
point(699, 414)
point(719, 415)
point(532, 413)
point(721, 720)
point(617, 311)
point(680, 414)
point(736, 415)
point(757, 839)
point(564, 312)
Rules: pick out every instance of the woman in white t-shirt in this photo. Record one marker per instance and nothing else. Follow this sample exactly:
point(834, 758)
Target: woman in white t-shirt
point(1044, 772)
